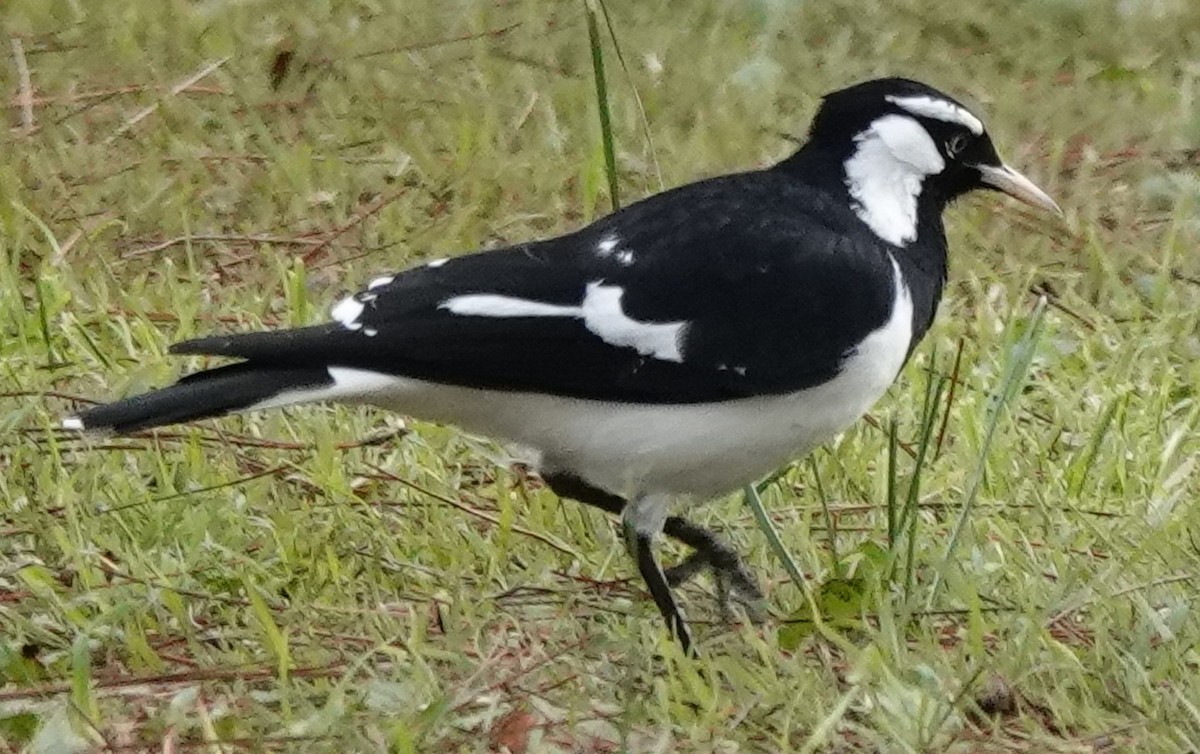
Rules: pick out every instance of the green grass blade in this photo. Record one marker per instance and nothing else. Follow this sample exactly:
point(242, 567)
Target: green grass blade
point(1081, 466)
point(606, 130)
point(768, 528)
point(637, 98)
point(830, 527)
point(953, 391)
point(891, 483)
point(92, 347)
point(1020, 358)
point(909, 519)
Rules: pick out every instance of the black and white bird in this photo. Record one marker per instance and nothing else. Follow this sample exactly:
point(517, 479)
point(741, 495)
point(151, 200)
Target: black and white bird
point(668, 353)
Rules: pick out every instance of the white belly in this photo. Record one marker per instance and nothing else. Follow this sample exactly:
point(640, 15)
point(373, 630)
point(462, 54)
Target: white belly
point(699, 450)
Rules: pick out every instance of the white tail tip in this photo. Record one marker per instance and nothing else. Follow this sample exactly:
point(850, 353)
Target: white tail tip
point(73, 423)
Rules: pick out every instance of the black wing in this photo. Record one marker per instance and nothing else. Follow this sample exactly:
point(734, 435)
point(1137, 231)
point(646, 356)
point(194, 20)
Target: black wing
point(766, 288)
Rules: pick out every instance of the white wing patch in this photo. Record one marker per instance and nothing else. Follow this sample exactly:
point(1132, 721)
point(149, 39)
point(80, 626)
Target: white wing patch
point(939, 109)
point(600, 311)
point(380, 282)
point(607, 245)
point(885, 174)
point(603, 315)
point(491, 305)
point(347, 311)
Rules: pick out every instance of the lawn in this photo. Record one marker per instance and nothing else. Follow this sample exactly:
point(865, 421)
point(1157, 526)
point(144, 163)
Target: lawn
point(1014, 568)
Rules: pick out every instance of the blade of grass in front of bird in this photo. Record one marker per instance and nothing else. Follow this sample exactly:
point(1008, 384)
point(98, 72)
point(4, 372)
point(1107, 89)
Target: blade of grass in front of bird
point(94, 349)
point(606, 131)
point(826, 731)
point(637, 98)
point(934, 388)
point(789, 564)
point(949, 399)
point(830, 527)
point(1080, 467)
point(909, 519)
point(44, 321)
point(891, 483)
point(56, 252)
point(768, 527)
point(1018, 362)
point(295, 277)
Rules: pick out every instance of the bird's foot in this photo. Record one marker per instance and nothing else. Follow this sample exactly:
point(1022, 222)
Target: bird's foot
point(733, 581)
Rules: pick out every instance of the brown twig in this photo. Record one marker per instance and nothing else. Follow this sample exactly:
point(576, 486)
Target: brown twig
point(71, 99)
point(1164, 581)
point(1044, 289)
point(272, 471)
point(47, 394)
point(437, 43)
point(25, 98)
point(218, 238)
point(470, 510)
point(1177, 275)
point(907, 447)
point(353, 222)
point(110, 568)
point(219, 745)
point(179, 88)
point(937, 453)
point(171, 679)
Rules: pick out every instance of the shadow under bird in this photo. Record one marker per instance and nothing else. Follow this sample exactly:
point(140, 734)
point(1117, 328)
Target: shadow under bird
point(671, 352)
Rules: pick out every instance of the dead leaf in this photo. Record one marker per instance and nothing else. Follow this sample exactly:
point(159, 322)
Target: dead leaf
point(511, 732)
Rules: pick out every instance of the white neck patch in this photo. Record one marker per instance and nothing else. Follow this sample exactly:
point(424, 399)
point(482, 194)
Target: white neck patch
point(885, 174)
point(939, 109)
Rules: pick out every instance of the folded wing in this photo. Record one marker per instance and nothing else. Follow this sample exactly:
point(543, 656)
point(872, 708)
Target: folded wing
point(645, 306)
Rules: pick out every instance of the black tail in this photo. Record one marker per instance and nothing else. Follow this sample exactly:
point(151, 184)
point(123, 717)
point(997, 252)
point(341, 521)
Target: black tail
point(214, 392)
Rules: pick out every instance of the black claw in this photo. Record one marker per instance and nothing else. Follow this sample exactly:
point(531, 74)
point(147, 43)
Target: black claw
point(660, 590)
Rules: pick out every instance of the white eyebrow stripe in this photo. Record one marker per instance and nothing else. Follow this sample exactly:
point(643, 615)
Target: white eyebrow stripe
point(938, 109)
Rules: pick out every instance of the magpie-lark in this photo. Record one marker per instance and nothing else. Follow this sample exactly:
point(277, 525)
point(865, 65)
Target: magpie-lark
point(673, 351)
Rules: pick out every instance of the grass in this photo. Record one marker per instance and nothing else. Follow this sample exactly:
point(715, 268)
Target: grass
point(344, 580)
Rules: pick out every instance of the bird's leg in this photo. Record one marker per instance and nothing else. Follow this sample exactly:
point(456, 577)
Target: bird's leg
point(569, 485)
point(729, 574)
point(643, 518)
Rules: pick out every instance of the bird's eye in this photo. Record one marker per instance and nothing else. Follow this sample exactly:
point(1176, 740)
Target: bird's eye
point(956, 145)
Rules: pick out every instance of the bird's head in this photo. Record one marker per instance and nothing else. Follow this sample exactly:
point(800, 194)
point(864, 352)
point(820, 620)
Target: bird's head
point(906, 146)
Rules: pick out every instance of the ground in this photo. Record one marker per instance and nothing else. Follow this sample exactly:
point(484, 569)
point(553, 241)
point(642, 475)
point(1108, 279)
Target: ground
point(336, 580)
